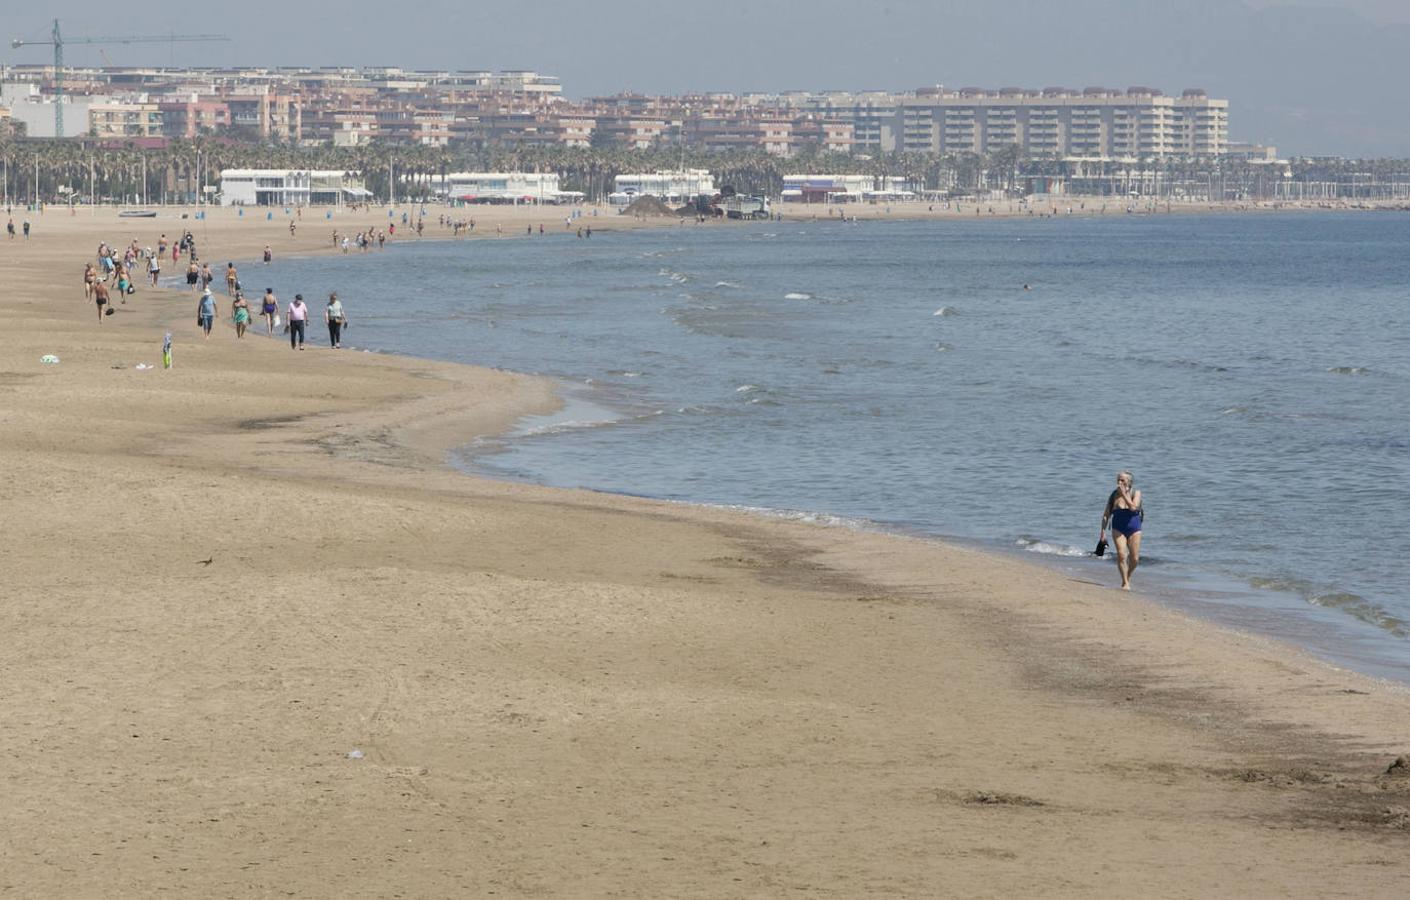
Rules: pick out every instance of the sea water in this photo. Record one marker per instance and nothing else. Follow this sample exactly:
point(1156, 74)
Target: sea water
point(977, 380)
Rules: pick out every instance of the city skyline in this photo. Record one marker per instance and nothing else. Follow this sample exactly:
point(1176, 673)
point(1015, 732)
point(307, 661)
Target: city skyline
point(1309, 80)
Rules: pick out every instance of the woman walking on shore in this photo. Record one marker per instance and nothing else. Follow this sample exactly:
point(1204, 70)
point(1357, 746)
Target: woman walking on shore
point(90, 278)
point(336, 319)
point(1123, 511)
point(241, 309)
point(268, 308)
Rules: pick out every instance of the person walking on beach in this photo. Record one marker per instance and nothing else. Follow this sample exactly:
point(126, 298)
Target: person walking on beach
point(241, 309)
point(90, 278)
point(193, 275)
point(124, 281)
point(206, 275)
point(337, 319)
point(268, 254)
point(206, 311)
point(100, 297)
point(231, 279)
point(154, 268)
point(268, 308)
point(1123, 511)
point(297, 316)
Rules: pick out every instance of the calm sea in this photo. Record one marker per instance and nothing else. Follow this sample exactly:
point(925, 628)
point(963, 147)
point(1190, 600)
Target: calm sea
point(1253, 371)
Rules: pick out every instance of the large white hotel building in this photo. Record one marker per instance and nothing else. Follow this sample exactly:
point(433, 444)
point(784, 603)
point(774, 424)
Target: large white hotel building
point(1138, 123)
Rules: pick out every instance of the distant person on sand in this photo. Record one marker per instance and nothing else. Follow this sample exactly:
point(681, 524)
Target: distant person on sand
point(206, 311)
point(268, 254)
point(193, 275)
point(268, 308)
point(1123, 511)
point(297, 320)
point(90, 278)
point(154, 268)
point(337, 319)
point(231, 279)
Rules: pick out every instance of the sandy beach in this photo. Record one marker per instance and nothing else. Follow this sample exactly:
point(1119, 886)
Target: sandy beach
point(257, 638)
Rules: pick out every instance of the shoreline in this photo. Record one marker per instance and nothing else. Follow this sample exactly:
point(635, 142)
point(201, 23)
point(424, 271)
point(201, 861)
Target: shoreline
point(1332, 644)
point(602, 693)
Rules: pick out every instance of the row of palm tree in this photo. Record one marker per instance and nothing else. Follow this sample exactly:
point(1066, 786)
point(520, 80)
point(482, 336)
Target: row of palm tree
point(79, 170)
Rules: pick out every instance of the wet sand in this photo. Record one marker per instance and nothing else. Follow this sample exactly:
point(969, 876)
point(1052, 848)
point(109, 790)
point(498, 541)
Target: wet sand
point(221, 580)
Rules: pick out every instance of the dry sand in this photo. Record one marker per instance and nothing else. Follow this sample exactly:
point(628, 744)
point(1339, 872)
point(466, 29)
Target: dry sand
point(220, 580)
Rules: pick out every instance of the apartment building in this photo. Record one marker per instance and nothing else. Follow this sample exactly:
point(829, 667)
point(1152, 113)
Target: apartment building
point(118, 119)
point(632, 132)
point(1138, 123)
point(814, 132)
point(740, 131)
point(265, 114)
point(189, 117)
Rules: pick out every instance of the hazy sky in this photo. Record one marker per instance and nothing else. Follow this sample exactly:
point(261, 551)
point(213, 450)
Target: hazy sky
point(1321, 76)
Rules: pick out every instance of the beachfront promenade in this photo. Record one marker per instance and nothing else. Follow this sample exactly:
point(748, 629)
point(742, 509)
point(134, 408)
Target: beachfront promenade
point(257, 638)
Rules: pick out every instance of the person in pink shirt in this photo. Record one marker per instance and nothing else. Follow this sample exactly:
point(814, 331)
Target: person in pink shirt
point(298, 321)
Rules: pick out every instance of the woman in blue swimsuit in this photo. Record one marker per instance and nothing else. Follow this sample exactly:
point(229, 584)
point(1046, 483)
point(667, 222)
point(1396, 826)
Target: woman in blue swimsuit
point(1123, 512)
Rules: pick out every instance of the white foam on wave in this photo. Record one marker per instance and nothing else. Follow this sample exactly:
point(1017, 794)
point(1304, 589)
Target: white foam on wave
point(797, 295)
point(746, 388)
point(827, 520)
point(561, 427)
point(1047, 548)
point(1349, 370)
point(727, 284)
point(944, 311)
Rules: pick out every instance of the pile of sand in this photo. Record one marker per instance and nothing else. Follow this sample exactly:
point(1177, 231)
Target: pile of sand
point(648, 206)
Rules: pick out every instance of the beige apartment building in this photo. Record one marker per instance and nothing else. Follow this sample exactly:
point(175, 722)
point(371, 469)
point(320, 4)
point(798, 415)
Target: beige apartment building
point(117, 119)
point(1138, 123)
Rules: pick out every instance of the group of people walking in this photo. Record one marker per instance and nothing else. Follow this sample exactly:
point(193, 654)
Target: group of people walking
point(114, 268)
point(295, 320)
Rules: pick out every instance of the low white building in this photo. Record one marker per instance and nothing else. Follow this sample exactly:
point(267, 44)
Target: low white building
point(676, 187)
point(827, 188)
point(504, 187)
point(290, 187)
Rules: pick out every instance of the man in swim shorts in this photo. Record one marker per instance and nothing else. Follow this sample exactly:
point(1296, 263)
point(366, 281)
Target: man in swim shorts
point(100, 297)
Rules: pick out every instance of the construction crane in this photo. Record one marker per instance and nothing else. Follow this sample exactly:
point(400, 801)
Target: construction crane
point(57, 42)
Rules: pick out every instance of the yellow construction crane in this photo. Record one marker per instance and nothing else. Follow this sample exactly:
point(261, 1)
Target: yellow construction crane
point(57, 42)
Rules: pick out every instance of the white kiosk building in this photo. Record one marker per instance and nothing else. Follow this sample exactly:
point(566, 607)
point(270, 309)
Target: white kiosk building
point(504, 187)
point(672, 187)
point(290, 187)
point(827, 188)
